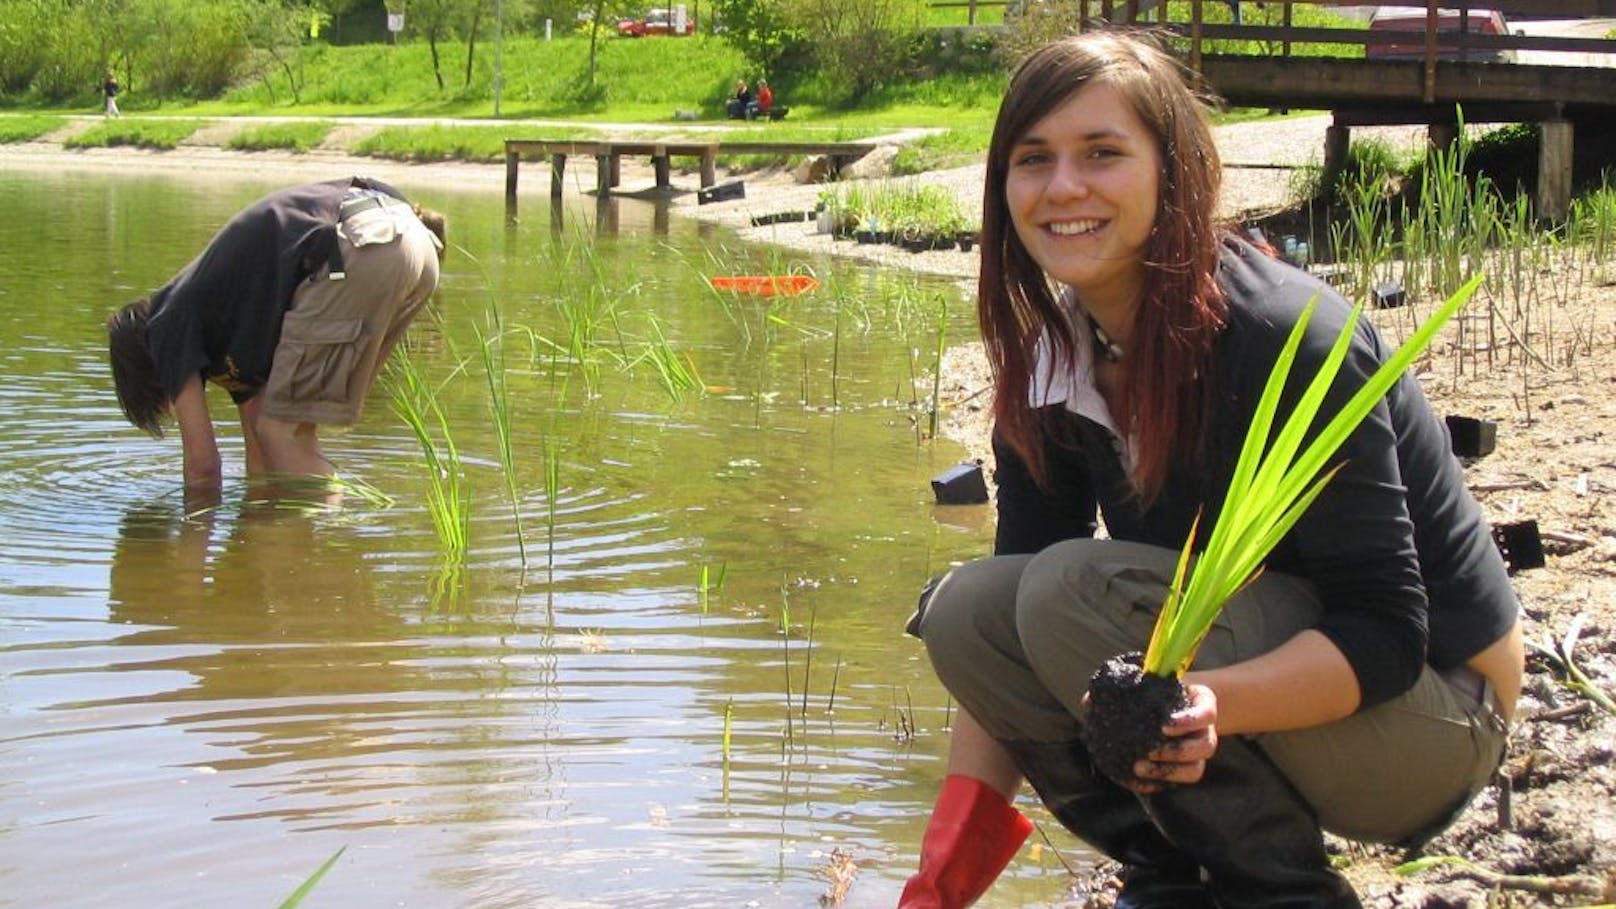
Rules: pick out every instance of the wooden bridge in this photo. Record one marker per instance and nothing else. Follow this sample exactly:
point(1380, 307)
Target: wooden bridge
point(608, 155)
point(1553, 80)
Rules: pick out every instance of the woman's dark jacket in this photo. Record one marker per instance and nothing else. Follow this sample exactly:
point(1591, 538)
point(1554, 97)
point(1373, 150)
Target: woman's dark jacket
point(1397, 548)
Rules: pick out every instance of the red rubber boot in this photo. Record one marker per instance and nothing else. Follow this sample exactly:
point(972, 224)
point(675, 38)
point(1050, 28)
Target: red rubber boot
point(972, 835)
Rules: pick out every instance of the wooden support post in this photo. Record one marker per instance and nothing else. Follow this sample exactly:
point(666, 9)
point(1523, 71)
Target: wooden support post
point(617, 171)
point(1285, 47)
point(659, 162)
point(1429, 94)
point(1554, 171)
point(1442, 136)
point(1195, 36)
point(1337, 143)
point(558, 169)
point(603, 173)
point(513, 161)
point(709, 166)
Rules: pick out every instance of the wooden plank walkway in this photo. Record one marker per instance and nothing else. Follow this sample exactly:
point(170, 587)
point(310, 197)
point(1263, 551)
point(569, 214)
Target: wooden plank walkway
point(608, 155)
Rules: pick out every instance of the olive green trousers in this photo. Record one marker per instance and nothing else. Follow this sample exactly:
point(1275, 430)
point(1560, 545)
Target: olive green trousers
point(1016, 638)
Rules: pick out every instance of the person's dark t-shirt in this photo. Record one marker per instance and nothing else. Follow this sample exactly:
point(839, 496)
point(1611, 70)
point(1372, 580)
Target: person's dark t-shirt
point(220, 317)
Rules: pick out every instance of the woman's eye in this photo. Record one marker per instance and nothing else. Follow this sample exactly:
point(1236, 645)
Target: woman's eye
point(1026, 159)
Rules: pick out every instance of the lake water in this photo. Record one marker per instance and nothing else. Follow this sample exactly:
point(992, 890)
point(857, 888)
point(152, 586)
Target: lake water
point(199, 706)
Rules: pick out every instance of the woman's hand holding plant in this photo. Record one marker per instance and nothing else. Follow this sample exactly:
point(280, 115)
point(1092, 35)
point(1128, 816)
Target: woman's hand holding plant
point(1192, 739)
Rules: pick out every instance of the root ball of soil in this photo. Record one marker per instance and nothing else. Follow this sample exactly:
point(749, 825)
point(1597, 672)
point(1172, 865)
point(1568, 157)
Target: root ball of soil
point(1127, 709)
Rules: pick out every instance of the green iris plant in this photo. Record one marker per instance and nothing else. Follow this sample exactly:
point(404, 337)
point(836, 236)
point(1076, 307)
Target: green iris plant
point(1274, 482)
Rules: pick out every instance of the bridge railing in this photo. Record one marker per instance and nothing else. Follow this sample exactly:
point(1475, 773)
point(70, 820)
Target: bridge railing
point(1272, 30)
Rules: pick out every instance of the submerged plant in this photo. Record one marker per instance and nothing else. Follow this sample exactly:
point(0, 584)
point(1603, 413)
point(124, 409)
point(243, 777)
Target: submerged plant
point(1275, 480)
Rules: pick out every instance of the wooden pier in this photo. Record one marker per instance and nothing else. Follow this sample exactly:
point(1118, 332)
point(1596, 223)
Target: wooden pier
point(608, 155)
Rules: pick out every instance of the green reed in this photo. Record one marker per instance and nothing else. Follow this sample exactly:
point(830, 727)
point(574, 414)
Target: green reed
point(492, 351)
point(937, 372)
point(708, 583)
point(675, 371)
point(729, 720)
point(808, 656)
point(448, 494)
point(835, 678)
point(1592, 222)
point(552, 493)
point(291, 902)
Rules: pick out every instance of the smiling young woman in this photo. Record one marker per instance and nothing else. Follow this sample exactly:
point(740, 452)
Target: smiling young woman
point(1362, 684)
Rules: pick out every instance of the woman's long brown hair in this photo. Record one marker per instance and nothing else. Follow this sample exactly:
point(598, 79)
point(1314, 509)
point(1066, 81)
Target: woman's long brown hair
point(1181, 308)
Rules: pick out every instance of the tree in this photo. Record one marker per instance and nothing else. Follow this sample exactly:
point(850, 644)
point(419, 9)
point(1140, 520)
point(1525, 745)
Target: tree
point(762, 30)
point(277, 30)
point(862, 43)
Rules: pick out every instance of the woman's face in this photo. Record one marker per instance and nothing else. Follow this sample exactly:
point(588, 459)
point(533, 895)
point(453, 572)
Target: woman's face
point(1082, 189)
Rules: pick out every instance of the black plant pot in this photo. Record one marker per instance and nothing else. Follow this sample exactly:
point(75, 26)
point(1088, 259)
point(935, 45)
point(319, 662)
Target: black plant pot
point(1126, 713)
point(966, 242)
point(864, 236)
point(1471, 437)
point(915, 244)
point(1520, 544)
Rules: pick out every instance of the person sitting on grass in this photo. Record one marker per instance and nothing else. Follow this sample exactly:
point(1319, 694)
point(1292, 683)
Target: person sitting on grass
point(740, 103)
point(1363, 684)
point(764, 102)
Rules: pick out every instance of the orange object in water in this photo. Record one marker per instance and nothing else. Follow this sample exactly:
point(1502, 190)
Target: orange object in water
point(764, 285)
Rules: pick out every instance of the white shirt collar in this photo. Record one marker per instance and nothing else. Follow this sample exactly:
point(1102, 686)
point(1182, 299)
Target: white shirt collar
point(1054, 382)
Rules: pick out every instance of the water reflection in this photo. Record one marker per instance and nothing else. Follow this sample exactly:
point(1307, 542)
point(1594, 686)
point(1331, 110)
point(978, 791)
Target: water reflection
point(224, 693)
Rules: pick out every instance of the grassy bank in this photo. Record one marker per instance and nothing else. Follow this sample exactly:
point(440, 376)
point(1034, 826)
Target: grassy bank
point(652, 80)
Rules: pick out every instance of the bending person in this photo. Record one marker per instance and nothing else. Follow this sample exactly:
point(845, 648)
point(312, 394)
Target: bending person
point(1361, 685)
point(293, 307)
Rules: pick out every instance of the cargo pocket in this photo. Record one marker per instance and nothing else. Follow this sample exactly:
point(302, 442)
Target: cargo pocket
point(371, 227)
point(315, 360)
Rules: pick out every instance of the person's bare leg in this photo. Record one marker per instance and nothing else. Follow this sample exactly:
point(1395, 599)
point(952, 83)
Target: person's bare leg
point(974, 753)
point(291, 448)
point(293, 462)
point(249, 436)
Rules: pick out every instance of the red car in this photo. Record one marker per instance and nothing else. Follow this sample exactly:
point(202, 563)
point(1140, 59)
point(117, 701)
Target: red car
point(1398, 33)
point(658, 22)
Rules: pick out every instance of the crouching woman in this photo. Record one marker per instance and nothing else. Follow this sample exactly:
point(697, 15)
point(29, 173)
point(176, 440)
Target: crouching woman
point(1362, 685)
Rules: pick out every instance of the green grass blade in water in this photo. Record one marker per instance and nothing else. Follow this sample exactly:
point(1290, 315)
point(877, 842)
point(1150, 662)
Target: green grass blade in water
point(303, 890)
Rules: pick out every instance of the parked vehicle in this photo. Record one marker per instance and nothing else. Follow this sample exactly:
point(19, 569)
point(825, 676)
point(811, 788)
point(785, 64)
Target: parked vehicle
point(658, 21)
point(1398, 33)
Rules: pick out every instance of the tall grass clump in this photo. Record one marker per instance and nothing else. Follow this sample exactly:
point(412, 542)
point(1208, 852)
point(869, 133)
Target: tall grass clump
point(1592, 222)
point(1274, 482)
point(296, 137)
point(448, 495)
point(437, 143)
point(158, 135)
point(27, 129)
point(676, 372)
